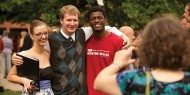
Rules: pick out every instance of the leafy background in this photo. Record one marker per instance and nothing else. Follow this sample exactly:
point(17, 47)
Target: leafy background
point(134, 13)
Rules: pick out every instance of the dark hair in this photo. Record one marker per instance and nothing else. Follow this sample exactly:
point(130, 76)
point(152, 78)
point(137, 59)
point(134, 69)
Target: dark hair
point(95, 9)
point(34, 24)
point(165, 44)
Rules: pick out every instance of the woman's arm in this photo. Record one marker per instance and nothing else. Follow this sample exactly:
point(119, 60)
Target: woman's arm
point(106, 79)
point(12, 77)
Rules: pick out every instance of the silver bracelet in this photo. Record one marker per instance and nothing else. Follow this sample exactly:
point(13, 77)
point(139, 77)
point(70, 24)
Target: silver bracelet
point(119, 65)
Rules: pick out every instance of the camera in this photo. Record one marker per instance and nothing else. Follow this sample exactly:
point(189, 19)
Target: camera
point(134, 55)
point(35, 87)
point(33, 83)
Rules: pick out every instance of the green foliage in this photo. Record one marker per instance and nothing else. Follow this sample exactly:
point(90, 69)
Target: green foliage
point(27, 10)
point(134, 13)
point(9, 92)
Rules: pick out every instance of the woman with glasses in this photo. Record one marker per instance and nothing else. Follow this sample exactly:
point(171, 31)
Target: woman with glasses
point(39, 35)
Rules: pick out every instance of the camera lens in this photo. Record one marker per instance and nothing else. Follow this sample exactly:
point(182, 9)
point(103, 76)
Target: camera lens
point(134, 54)
point(34, 86)
point(33, 83)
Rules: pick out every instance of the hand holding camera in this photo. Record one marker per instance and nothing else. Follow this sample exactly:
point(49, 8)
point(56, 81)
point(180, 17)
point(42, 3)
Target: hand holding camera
point(123, 57)
point(34, 87)
point(30, 86)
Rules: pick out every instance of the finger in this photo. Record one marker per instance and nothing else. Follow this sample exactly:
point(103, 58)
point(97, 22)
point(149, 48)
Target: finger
point(29, 87)
point(131, 48)
point(125, 47)
point(25, 89)
point(127, 41)
point(132, 61)
point(17, 61)
point(129, 51)
point(124, 42)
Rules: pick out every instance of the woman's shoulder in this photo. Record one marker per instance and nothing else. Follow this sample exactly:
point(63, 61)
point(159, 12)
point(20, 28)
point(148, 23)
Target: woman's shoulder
point(130, 73)
point(131, 76)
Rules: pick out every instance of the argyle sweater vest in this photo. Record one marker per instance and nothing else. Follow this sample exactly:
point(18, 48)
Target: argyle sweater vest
point(68, 62)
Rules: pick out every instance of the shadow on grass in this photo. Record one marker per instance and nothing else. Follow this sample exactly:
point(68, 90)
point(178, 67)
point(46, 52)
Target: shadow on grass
point(9, 92)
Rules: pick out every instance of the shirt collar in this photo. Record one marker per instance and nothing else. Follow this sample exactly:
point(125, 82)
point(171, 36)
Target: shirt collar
point(66, 36)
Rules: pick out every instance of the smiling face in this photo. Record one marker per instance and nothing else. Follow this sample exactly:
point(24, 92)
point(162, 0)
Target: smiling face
point(69, 23)
point(69, 19)
point(40, 35)
point(97, 21)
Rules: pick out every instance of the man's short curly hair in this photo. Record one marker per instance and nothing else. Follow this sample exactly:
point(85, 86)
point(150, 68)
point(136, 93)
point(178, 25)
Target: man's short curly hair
point(95, 9)
point(165, 44)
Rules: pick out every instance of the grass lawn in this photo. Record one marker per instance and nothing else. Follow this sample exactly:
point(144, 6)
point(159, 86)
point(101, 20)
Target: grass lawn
point(9, 92)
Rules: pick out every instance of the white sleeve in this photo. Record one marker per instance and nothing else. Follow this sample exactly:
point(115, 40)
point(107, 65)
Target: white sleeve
point(88, 32)
point(113, 30)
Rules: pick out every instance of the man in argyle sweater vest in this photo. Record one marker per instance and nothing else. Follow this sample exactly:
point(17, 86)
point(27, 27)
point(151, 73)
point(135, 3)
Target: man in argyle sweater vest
point(68, 62)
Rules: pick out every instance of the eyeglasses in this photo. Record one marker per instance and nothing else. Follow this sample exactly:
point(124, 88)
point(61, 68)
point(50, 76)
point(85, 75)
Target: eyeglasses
point(40, 34)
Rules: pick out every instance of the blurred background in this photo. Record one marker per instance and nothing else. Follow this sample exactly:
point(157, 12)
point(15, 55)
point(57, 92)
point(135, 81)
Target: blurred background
point(16, 14)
